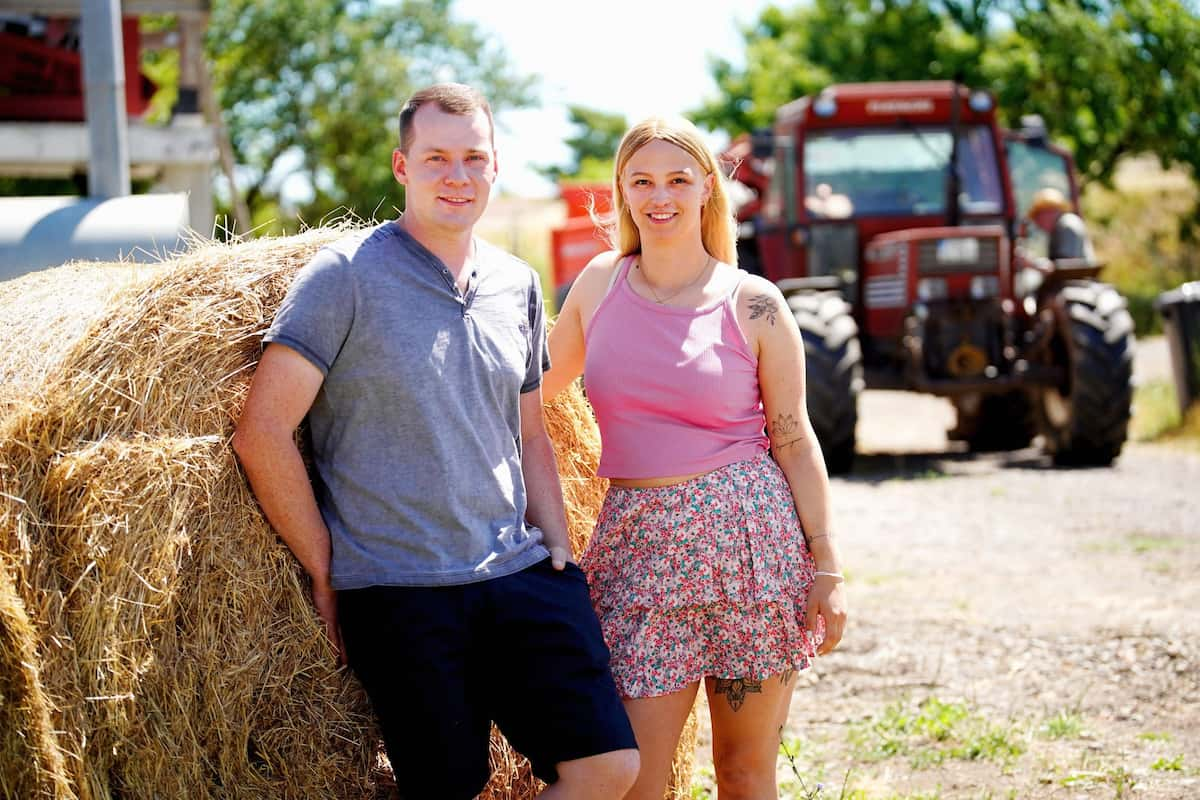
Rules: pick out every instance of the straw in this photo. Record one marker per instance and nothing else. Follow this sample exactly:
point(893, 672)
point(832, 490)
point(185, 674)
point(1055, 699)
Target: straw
point(157, 639)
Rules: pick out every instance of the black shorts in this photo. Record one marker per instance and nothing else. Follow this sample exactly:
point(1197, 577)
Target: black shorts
point(440, 664)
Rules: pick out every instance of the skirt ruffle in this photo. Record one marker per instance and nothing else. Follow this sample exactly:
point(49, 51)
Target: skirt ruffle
point(709, 577)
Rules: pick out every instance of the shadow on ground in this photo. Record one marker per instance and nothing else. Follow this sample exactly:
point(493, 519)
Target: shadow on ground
point(878, 467)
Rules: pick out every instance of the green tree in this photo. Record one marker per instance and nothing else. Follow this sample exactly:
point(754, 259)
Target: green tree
point(1110, 77)
point(593, 145)
point(310, 92)
point(797, 52)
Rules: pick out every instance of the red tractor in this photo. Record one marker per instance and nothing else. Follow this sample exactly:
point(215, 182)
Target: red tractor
point(892, 217)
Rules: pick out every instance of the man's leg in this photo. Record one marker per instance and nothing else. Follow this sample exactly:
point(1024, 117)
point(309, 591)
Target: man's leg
point(409, 646)
point(554, 695)
point(603, 777)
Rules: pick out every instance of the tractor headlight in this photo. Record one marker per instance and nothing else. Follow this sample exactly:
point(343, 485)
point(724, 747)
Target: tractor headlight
point(984, 286)
point(932, 289)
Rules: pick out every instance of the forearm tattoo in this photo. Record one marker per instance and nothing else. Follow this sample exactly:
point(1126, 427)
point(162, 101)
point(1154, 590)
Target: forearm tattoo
point(782, 428)
point(787, 676)
point(763, 305)
point(735, 690)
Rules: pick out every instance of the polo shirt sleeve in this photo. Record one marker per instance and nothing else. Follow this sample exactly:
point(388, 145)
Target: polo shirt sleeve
point(539, 354)
point(315, 316)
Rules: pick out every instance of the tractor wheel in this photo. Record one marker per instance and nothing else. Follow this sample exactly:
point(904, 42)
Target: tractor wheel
point(1003, 422)
point(834, 376)
point(1085, 420)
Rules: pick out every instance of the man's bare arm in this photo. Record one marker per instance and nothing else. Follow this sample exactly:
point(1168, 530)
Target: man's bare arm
point(281, 393)
point(542, 487)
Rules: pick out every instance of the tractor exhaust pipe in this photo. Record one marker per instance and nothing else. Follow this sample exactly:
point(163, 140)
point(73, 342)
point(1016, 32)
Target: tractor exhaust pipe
point(953, 188)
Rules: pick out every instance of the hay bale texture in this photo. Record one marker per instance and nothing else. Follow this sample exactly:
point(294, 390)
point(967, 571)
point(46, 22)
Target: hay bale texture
point(43, 313)
point(156, 638)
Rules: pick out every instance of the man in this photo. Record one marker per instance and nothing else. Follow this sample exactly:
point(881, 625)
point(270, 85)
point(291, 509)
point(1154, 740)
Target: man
point(434, 530)
point(1051, 212)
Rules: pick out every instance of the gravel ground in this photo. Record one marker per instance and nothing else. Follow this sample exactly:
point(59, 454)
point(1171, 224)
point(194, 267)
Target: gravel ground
point(1055, 608)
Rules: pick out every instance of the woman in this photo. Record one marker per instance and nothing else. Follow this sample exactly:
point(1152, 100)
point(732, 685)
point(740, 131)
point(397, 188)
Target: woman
point(699, 566)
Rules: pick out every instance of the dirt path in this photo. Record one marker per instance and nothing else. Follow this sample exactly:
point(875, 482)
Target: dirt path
point(1017, 630)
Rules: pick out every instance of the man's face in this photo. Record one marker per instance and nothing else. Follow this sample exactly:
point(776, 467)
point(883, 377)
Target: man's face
point(448, 170)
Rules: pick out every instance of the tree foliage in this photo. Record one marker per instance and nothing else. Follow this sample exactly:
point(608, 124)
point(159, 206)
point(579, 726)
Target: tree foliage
point(1110, 77)
point(310, 92)
point(593, 145)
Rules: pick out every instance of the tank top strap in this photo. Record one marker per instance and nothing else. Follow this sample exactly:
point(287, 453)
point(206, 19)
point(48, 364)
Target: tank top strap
point(731, 298)
point(731, 318)
point(614, 286)
point(620, 273)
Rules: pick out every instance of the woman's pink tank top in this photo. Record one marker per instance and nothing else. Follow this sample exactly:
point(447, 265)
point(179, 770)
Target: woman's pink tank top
point(675, 390)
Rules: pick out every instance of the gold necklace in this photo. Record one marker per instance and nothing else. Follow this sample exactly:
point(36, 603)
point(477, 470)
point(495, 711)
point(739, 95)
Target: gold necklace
point(680, 290)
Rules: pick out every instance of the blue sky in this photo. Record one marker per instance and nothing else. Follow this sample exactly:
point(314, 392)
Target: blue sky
point(626, 56)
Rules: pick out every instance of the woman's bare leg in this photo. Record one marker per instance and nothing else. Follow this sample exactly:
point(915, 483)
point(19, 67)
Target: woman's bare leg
point(747, 717)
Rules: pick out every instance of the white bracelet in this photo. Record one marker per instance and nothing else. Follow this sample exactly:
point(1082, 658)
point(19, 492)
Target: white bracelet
point(837, 576)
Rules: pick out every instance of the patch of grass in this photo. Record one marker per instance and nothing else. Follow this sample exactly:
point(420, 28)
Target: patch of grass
point(1188, 432)
point(878, 578)
point(1136, 233)
point(935, 731)
point(1143, 543)
point(993, 743)
point(1139, 543)
point(1063, 725)
point(1154, 736)
point(806, 782)
point(704, 783)
point(1156, 416)
point(1168, 764)
point(1155, 411)
point(1120, 779)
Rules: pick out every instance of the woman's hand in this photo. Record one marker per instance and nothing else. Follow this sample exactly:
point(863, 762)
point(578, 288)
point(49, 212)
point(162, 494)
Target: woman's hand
point(826, 601)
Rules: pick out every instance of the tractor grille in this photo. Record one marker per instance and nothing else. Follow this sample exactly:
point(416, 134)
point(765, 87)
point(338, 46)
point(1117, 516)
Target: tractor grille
point(927, 262)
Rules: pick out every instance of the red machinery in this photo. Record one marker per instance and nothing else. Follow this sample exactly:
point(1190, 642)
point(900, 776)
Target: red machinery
point(890, 214)
point(41, 71)
point(579, 239)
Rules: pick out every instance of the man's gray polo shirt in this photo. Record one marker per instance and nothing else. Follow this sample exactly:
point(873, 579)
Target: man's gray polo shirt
point(416, 428)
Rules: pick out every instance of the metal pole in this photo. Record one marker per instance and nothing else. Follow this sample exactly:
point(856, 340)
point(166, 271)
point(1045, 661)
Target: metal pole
point(104, 98)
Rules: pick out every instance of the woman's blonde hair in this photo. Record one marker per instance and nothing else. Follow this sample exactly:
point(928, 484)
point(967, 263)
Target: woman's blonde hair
point(718, 229)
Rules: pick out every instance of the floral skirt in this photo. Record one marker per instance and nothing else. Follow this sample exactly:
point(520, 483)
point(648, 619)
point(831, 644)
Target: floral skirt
point(709, 577)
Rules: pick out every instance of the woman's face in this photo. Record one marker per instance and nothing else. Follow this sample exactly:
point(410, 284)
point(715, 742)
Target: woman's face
point(665, 189)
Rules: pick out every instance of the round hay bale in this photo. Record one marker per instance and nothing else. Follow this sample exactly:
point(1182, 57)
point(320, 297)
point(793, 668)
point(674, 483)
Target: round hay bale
point(43, 313)
point(156, 638)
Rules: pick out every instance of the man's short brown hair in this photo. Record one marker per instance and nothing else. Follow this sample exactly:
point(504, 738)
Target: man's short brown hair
point(452, 98)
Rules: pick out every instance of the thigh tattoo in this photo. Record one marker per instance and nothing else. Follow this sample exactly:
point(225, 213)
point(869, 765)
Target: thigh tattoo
point(735, 690)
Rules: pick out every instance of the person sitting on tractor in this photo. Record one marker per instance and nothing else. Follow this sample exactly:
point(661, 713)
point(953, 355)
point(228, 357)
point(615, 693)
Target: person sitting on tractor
point(1051, 212)
point(825, 203)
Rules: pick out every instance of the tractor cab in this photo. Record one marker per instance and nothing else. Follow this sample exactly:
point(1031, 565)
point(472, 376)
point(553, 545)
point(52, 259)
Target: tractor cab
point(892, 217)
